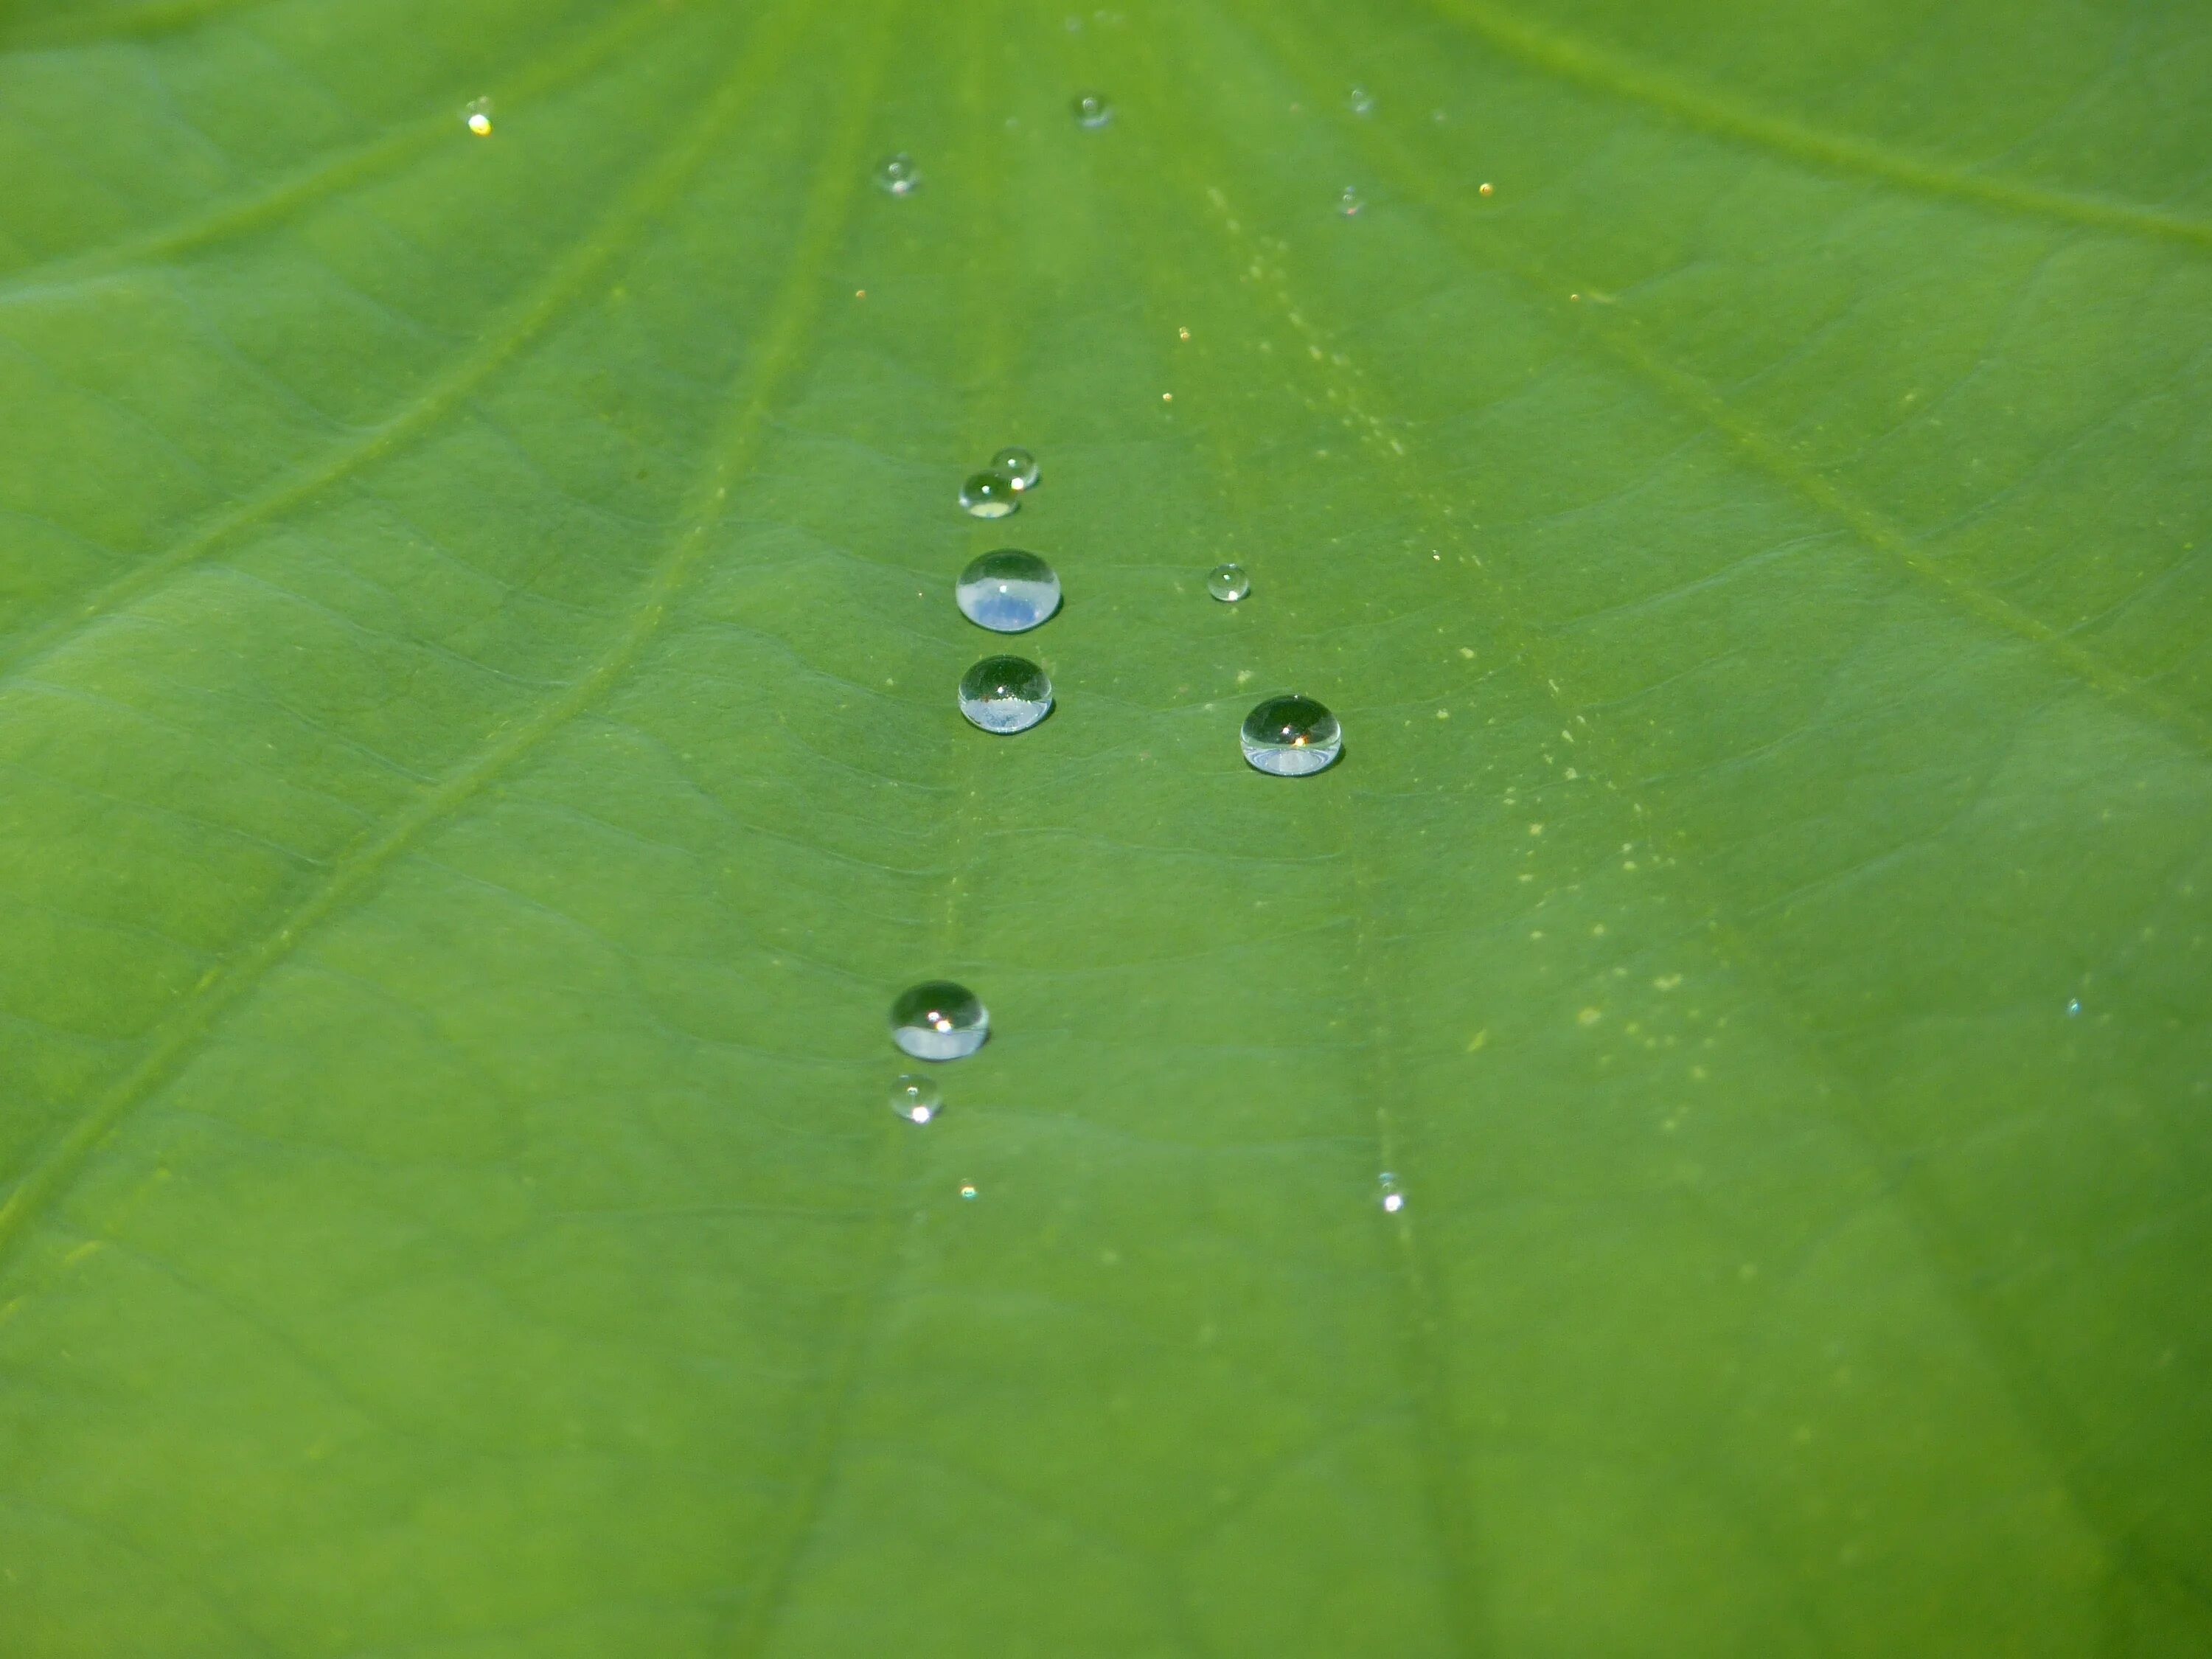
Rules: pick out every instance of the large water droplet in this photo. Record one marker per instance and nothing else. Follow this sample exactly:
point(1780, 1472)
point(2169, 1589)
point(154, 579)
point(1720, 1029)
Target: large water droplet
point(916, 1099)
point(1351, 201)
point(1228, 583)
point(1005, 694)
point(478, 117)
point(1091, 110)
point(1008, 591)
point(990, 494)
point(939, 1020)
point(1019, 464)
point(1387, 1190)
point(1362, 102)
point(1290, 736)
point(898, 176)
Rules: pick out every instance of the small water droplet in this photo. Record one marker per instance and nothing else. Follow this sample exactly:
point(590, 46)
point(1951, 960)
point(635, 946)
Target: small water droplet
point(478, 117)
point(1019, 464)
point(1005, 694)
point(1008, 591)
point(1091, 110)
point(1350, 203)
point(2073, 1007)
point(1392, 1200)
point(916, 1099)
point(1362, 102)
point(939, 1020)
point(897, 174)
point(990, 494)
point(968, 1190)
point(1228, 583)
point(1290, 736)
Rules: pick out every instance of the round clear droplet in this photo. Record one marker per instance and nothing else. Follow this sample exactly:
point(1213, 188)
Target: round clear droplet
point(1386, 1193)
point(916, 1099)
point(1019, 464)
point(2073, 1007)
point(1362, 102)
point(1005, 694)
point(476, 116)
point(968, 1190)
point(897, 174)
point(1350, 203)
point(1008, 591)
point(939, 1020)
point(1292, 737)
point(990, 494)
point(1228, 583)
point(1091, 110)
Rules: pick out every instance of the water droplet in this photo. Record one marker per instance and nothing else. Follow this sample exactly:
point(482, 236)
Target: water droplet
point(1228, 583)
point(478, 117)
point(1091, 110)
point(916, 1099)
point(2073, 1007)
point(898, 176)
point(1019, 464)
point(1350, 203)
point(990, 495)
point(1005, 694)
point(968, 1190)
point(1290, 736)
point(1387, 1186)
point(939, 1020)
point(1362, 102)
point(1008, 591)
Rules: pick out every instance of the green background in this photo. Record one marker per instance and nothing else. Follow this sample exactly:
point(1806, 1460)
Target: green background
point(477, 756)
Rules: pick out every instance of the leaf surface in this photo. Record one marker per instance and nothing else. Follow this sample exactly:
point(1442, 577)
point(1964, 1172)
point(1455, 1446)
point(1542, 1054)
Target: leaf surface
point(477, 756)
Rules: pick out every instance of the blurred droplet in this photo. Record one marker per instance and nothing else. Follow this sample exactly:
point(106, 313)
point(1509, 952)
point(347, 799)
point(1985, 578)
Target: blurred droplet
point(1362, 102)
point(939, 1020)
point(1350, 203)
point(990, 494)
point(1228, 583)
point(478, 117)
point(898, 175)
point(916, 1099)
point(1091, 110)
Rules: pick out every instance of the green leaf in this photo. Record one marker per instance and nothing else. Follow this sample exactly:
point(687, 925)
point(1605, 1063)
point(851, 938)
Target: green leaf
point(477, 758)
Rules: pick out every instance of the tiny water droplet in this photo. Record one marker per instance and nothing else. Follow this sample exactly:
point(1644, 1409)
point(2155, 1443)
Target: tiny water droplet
point(990, 494)
point(1290, 736)
point(939, 1020)
point(1008, 591)
point(897, 174)
point(2073, 1007)
point(1350, 203)
point(478, 117)
point(1228, 583)
point(1362, 102)
point(1005, 694)
point(968, 1190)
point(916, 1099)
point(1091, 110)
point(1392, 1200)
point(1019, 464)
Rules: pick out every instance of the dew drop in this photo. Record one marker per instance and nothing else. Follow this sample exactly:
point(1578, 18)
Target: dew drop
point(1392, 1200)
point(1361, 102)
point(897, 174)
point(2073, 1007)
point(1091, 110)
point(1228, 583)
point(1008, 591)
point(939, 1020)
point(990, 494)
point(1350, 203)
point(1005, 694)
point(1290, 736)
point(968, 1190)
point(916, 1099)
point(476, 116)
point(1019, 464)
